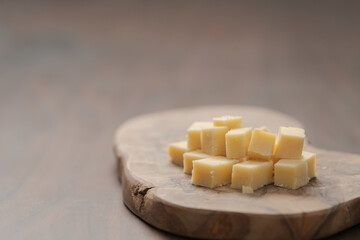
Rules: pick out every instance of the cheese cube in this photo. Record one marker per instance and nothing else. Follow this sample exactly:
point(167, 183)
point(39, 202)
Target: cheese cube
point(176, 151)
point(253, 174)
point(213, 140)
point(289, 143)
point(237, 142)
point(310, 159)
point(291, 173)
point(263, 128)
point(228, 121)
point(194, 134)
point(189, 157)
point(261, 145)
point(212, 172)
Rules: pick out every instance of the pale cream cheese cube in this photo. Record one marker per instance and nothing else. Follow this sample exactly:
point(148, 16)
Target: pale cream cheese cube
point(194, 134)
point(212, 172)
point(253, 174)
point(289, 143)
point(261, 145)
point(189, 157)
point(237, 142)
point(176, 151)
point(213, 140)
point(291, 173)
point(228, 121)
point(310, 159)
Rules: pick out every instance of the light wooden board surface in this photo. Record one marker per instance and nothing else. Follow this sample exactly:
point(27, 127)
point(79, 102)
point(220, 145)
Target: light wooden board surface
point(160, 193)
point(71, 72)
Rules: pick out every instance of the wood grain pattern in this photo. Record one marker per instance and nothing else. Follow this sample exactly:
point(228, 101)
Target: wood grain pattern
point(161, 194)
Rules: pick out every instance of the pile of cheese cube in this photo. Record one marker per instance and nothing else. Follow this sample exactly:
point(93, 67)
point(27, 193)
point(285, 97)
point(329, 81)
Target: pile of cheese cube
point(220, 152)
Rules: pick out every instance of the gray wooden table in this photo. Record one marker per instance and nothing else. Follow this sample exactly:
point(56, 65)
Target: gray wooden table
point(71, 72)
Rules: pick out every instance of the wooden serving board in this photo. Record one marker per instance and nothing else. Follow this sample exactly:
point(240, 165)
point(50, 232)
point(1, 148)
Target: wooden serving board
point(162, 195)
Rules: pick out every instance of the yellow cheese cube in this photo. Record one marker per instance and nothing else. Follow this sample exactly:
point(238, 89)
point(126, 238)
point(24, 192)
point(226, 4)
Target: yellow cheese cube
point(261, 145)
point(310, 159)
point(237, 142)
point(189, 157)
point(213, 140)
point(176, 151)
point(253, 174)
point(289, 143)
point(291, 173)
point(212, 172)
point(194, 134)
point(228, 121)
point(263, 128)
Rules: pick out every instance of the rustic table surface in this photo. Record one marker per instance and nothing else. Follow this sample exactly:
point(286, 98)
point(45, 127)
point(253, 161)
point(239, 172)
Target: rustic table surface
point(71, 72)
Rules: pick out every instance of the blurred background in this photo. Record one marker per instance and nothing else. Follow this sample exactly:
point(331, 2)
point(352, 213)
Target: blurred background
point(72, 71)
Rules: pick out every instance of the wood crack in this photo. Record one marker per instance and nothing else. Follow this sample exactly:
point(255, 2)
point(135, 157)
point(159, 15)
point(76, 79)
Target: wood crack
point(139, 193)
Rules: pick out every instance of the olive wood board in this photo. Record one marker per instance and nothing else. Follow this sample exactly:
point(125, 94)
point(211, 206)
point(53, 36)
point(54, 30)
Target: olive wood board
point(160, 193)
